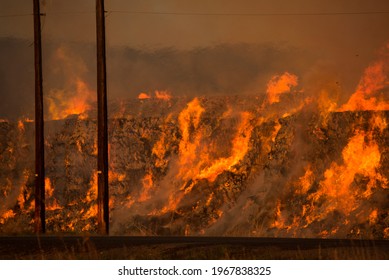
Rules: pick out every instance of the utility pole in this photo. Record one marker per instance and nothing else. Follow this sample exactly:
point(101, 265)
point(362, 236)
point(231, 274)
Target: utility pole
point(102, 123)
point(39, 217)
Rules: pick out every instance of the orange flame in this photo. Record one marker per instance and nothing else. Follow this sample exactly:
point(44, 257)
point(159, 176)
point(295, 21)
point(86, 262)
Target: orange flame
point(159, 94)
point(52, 203)
point(143, 96)
point(62, 106)
point(371, 89)
point(279, 85)
point(305, 181)
point(189, 119)
point(21, 126)
point(360, 156)
point(240, 146)
point(163, 95)
point(9, 214)
point(386, 233)
point(76, 97)
point(373, 217)
point(147, 183)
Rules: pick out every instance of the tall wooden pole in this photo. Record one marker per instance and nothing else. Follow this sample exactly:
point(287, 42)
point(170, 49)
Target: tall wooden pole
point(102, 124)
point(39, 217)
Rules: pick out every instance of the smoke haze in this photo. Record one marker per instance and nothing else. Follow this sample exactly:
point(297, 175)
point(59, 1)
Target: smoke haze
point(194, 52)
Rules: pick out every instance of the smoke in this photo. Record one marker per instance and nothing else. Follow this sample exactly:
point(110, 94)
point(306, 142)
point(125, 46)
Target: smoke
point(218, 70)
point(16, 78)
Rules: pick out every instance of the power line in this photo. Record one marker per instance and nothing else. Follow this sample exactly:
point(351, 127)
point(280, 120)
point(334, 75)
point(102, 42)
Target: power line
point(209, 14)
point(15, 15)
point(251, 14)
point(48, 13)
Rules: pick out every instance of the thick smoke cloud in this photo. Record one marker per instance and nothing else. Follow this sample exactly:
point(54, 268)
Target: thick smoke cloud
point(224, 69)
point(219, 70)
point(16, 78)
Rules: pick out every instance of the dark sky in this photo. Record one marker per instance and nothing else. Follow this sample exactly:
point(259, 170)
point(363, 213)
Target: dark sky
point(312, 32)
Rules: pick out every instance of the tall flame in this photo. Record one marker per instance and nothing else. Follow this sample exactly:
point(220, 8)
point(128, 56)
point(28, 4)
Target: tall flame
point(337, 192)
point(365, 97)
point(189, 119)
point(240, 146)
point(64, 103)
point(372, 88)
point(279, 85)
point(76, 97)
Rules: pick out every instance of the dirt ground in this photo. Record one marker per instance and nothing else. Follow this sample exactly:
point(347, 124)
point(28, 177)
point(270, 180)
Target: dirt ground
point(120, 247)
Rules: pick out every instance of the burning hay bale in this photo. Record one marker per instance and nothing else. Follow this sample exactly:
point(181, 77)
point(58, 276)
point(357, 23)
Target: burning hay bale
point(208, 168)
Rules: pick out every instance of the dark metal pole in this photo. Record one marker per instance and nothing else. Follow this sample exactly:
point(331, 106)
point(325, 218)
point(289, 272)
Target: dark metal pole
point(39, 217)
point(102, 126)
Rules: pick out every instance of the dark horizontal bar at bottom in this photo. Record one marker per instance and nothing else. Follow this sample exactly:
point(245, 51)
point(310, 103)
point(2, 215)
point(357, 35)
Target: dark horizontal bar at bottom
point(46, 242)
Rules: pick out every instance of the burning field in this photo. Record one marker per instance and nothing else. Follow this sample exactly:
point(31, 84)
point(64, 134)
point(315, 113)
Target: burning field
point(284, 164)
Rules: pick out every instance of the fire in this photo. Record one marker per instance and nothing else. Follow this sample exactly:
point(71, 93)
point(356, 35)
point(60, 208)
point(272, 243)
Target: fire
point(92, 192)
point(189, 120)
point(163, 95)
point(372, 88)
point(21, 126)
point(360, 156)
point(326, 105)
point(51, 201)
point(278, 220)
point(346, 185)
point(143, 96)
point(373, 217)
point(159, 151)
point(114, 176)
point(305, 181)
point(195, 159)
point(386, 233)
point(64, 103)
point(147, 183)
point(210, 159)
point(49, 190)
point(76, 97)
point(159, 94)
point(8, 214)
point(277, 128)
point(379, 122)
point(240, 146)
point(279, 85)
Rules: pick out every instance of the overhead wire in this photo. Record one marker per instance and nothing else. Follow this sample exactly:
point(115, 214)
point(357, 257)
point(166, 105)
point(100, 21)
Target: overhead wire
point(15, 15)
point(212, 14)
point(250, 14)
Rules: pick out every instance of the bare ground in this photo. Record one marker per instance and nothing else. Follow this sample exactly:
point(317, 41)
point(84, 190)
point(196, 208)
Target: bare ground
point(127, 247)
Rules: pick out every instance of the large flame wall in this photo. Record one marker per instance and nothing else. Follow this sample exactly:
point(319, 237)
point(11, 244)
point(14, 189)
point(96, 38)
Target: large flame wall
point(202, 167)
